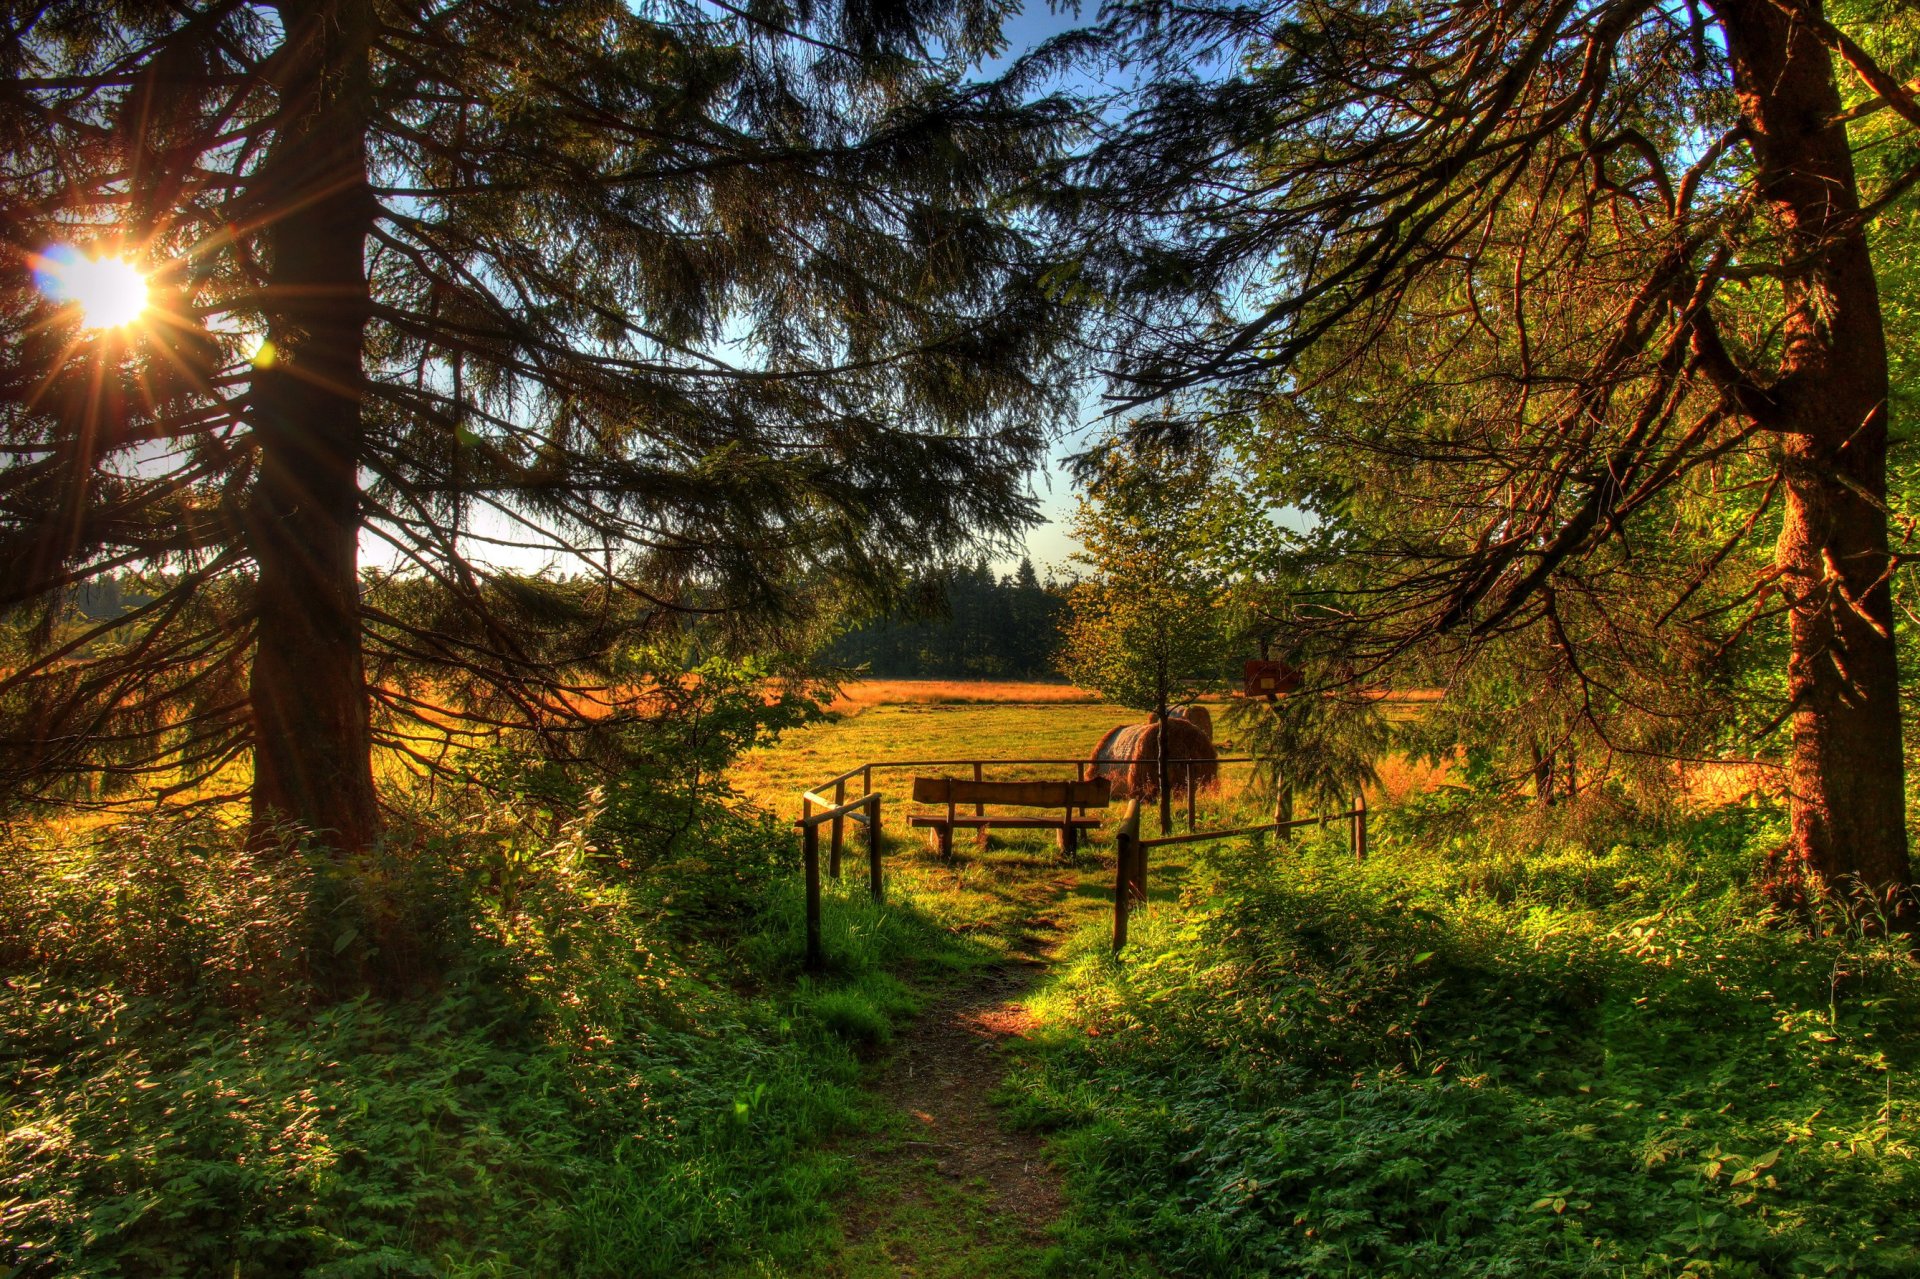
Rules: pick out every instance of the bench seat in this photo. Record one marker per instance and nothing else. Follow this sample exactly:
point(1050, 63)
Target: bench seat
point(1029, 823)
point(1060, 797)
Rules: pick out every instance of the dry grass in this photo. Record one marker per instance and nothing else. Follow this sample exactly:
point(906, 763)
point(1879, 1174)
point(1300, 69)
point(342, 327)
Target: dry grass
point(976, 726)
point(859, 695)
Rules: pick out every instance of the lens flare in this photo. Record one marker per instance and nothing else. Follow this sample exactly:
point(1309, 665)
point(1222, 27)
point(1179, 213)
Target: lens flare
point(109, 291)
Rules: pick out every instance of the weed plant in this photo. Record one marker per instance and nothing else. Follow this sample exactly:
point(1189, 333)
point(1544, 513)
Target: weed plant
point(1499, 1047)
point(564, 1069)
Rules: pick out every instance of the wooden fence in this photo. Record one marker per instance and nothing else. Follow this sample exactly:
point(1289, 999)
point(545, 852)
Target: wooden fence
point(1130, 882)
point(1130, 874)
point(829, 805)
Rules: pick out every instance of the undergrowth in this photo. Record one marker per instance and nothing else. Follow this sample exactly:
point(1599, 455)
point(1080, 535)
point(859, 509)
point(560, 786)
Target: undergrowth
point(562, 1069)
point(1493, 1049)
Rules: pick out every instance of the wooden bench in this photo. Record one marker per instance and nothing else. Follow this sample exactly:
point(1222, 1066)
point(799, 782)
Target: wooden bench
point(1065, 796)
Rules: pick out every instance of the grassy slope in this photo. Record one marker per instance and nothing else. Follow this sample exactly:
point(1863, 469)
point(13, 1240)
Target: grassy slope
point(1477, 1057)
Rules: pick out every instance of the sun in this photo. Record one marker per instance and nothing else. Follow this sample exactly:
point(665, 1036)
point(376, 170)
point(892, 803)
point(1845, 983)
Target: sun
point(110, 291)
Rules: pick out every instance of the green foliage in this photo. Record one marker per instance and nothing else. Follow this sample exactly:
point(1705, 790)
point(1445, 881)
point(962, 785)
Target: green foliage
point(581, 1073)
point(1162, 531)
point(1322, 746)
point(1495, 1049)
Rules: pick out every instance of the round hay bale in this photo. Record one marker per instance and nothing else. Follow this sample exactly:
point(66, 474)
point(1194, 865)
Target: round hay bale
point(1127, 756)
point(1196, 715)
point(1199, 717)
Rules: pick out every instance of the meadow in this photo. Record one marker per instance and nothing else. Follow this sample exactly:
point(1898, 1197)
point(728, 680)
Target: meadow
point(1508, 1043)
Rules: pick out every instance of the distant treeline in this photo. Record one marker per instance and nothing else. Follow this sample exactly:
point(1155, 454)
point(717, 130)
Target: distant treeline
point(989, 628)
point(973, 625)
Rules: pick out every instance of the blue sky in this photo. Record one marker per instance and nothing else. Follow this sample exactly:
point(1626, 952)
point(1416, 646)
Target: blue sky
point(1048, 545)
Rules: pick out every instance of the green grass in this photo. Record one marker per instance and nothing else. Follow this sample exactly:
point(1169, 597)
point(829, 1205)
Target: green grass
point(1492, 1050)
point(1498, 1048)
point(585, 1077)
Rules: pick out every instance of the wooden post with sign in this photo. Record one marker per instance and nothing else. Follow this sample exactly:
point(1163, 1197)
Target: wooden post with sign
point(1261, 678)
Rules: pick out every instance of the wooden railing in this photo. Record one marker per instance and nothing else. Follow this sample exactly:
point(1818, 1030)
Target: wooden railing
point(866, 809)
point(1130, 873)
point(836, 808)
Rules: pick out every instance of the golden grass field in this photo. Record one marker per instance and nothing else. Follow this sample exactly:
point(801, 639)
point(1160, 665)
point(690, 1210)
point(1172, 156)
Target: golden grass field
point(860, 694)
point(928, 720)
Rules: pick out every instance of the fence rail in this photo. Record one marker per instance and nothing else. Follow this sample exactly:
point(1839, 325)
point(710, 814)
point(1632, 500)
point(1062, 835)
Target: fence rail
point(835, 808)
point(1130, 850)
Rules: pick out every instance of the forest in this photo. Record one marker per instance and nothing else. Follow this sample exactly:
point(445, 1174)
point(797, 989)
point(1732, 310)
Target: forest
point(970, 625)
point(529, 746)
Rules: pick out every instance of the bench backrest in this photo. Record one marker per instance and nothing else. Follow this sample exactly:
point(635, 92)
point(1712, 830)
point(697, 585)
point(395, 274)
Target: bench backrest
point(953, 790)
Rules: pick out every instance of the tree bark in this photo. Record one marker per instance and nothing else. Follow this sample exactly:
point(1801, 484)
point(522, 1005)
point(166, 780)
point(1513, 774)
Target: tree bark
point(1160, 752)
point(1846, 773)
point(1542, 776)
point(312, 741)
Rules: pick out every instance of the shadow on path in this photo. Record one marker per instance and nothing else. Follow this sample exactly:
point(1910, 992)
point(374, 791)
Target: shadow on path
point(953, 1191)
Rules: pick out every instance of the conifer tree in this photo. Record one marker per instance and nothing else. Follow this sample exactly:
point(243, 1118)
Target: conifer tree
point(690, 301)
point(1543, 282)
point(1152, 624)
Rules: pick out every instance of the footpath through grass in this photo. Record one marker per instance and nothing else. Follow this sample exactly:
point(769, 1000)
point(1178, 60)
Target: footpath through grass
point(1504, 1046)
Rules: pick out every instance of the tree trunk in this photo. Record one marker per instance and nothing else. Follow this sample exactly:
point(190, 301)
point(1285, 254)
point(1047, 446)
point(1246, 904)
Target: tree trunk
point(312, 744)
point(1846, 775)
point(1160, 751)
point(1542, 776)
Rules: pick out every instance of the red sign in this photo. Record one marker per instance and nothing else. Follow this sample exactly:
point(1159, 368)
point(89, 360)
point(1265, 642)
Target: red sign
point(1270, 679)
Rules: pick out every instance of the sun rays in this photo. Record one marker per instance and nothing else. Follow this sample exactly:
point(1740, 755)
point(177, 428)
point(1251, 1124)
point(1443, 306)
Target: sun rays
point(110, 292)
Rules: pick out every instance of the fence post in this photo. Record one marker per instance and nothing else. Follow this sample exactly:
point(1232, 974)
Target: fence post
point(1189, 797)
point(810, 855)
point(979, 810)
point(1283, 811)
point(873, 846)
point(839, 828)
point(1125, 840)
point(1360, 828)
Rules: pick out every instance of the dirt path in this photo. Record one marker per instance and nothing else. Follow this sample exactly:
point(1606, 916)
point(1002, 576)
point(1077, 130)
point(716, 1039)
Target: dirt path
point(956, 1192)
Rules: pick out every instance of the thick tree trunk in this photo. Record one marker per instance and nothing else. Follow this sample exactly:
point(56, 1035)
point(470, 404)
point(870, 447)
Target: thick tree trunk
point(1847, 775)
point(312, 745)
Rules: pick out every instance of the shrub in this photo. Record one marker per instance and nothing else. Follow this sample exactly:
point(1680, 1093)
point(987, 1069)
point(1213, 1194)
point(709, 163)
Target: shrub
point(1593, 1052)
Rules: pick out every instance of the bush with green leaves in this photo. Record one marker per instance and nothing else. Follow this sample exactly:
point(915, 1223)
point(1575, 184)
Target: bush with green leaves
point(563, 1070)
point(1473, 1056)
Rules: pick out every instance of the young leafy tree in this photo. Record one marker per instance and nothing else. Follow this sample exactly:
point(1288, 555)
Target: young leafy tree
point(693, 302)
point(1152, 623)
point(1552, 269)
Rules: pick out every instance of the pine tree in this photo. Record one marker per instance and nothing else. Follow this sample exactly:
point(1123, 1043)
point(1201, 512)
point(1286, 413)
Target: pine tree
point(705, 302)
point(1550, 270)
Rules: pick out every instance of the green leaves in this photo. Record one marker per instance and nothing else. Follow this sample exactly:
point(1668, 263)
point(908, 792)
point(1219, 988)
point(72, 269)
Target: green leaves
point(1449, 1062)
point(1154, 623)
